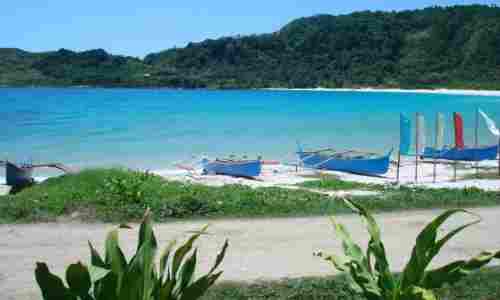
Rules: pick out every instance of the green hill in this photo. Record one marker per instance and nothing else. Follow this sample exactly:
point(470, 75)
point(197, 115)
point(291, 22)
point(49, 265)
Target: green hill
point(454, 47)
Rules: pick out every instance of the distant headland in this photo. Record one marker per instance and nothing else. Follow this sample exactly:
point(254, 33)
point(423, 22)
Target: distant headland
point(433, 48)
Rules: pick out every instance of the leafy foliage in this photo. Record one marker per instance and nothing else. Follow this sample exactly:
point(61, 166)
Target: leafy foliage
point(333, 183)
point(370, 272)
point(113, 278)
point(90, 195)
point(454, 47)
point(482, 285)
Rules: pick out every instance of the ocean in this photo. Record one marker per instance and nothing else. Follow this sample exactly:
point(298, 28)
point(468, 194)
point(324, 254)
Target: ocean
point(156, 128)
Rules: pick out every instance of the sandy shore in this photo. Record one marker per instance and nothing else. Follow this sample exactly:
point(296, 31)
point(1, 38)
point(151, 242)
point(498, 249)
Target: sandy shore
point(259, 249)
point(289, 176)
point(491, 93)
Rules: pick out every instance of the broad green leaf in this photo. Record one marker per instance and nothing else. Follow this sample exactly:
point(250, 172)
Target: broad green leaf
point(95, 258)
point(164, 258)
point(114, 255)
point(166, 289)
point(340, 263)
point(418, 293)
point(115, 258)
point(351, 249)
point(146, 231)
point(199, 287)
point(455, 271)
point(97, 273)
point(78, 279)
point(181, 252)
point(365, 280)
point(426, 248)
point(220, 257)
point(107, 287)
point(187, 271)
point(52, 287)
point(138, 281)
point(386, 280)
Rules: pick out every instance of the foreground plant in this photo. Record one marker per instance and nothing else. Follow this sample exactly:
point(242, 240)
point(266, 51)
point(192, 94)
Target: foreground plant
point(113, 278)
point(370, 273)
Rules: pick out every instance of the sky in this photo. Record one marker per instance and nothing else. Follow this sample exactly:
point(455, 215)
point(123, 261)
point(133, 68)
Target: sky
point(137, 28)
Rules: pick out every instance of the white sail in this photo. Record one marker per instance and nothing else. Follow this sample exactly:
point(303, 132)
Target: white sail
point(439, 131)
point(421, 138)
point(492, 127)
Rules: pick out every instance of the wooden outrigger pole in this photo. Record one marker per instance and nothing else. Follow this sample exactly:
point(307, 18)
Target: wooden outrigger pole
point(436, 141)
point(399, 165)
point(476, 140)
point(498, 156)
point(417, 127)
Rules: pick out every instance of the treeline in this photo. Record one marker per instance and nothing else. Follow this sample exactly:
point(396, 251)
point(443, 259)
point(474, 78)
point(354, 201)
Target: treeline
point(454, 47)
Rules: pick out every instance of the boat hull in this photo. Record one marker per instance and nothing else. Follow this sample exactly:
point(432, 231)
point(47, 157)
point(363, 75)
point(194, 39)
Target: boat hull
point(250, 168)
point(466, 154)
point(369, 166)
point(18, 176)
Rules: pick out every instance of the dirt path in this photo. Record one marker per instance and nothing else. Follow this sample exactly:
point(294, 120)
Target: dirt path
point(259, 249)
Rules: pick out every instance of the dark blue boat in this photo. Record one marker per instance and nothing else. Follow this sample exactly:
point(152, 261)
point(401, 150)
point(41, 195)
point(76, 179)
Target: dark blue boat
point(352, 162)
point(19, 176)
point(237, 168)
point(466, 154)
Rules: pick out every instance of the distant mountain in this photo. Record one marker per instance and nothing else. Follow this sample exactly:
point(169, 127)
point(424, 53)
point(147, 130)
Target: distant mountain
point(454, 47)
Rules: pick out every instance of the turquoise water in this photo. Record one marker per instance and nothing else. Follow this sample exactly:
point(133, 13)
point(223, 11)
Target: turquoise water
point(152, 128)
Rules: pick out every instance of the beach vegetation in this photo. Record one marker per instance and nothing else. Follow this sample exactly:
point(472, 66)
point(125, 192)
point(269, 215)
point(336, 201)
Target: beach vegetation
point(481, 285)
point(112, 277)
point(334, 183)
point(116, 195)
point(369, 270)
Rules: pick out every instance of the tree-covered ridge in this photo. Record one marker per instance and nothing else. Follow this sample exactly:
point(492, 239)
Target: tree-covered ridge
point(456, 47)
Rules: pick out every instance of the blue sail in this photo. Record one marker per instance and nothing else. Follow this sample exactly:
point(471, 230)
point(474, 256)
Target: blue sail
point(404, 135)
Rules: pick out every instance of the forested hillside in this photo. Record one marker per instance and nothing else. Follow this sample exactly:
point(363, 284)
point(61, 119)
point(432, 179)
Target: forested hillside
point(454, 47)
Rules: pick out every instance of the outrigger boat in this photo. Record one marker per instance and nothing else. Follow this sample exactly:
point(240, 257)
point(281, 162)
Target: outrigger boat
point(232, 167)
point(20, 176)
point(348, 161)
point(465, 154)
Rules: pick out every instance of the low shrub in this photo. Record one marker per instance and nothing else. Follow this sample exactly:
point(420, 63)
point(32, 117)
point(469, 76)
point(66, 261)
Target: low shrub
point(113, 278)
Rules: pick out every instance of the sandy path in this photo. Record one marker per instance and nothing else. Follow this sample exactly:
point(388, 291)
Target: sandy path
point(259, 249)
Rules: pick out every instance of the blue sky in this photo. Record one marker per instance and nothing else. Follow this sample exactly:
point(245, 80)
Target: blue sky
point(140, 27)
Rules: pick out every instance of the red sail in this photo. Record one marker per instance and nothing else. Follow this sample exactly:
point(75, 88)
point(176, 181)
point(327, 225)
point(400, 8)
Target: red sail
point(459, 130)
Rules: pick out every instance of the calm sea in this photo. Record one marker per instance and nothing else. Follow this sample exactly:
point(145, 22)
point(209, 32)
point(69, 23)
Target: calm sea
point(153, 128)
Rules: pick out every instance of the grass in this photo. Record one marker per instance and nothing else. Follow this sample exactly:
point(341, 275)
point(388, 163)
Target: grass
point(483, 175)
point(483, 285)
point(333, 183)
point(116, 195)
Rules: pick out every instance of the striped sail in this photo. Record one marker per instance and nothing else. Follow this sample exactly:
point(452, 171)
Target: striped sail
point(439, 142)
point(421, 138)
point(404, 135)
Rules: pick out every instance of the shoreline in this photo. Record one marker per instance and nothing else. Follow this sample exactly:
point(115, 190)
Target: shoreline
point(286, 176)
point(438, 91)
point(441, 91)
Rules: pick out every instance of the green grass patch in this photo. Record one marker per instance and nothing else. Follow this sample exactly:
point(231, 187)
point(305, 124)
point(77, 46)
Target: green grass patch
point(116, 195)
point(333, 183)
point(491, 175)
point(482, 285)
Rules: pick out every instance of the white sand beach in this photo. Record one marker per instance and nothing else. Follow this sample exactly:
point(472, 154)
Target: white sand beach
point(288, 176)
point(491, 93)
